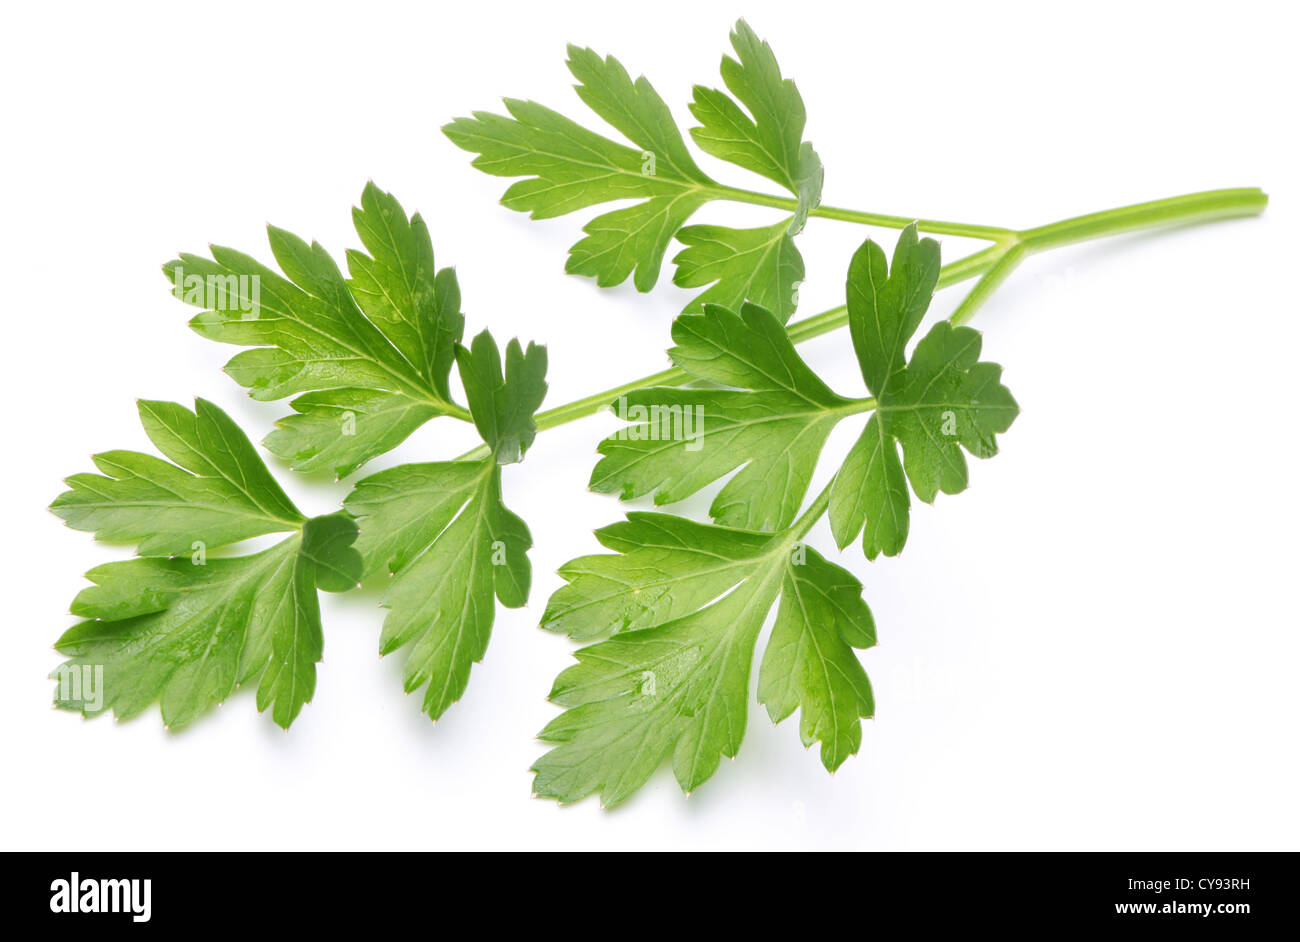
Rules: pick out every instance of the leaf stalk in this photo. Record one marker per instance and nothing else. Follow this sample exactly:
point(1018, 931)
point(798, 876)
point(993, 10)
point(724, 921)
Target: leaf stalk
point(994, 263)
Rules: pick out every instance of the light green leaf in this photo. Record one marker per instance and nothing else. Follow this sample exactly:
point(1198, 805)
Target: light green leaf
point(870, 490)
point(218, 491)
point(398, 288)
point(567, 167)
point(450, 544)
point(809, 663)
point(886, 304)
point(677, 689)
point(326, 430)
point(665, 567)
point(635, 110)
point(772, 425)
point(948, 401)
point(443, 533)
point(768, 140)
point(372, 353)
point(327, 544)
point(185, 635)
point(571, 168)
point(631, 239)
point(758, 265)
point(185, 631)
point(686, 602)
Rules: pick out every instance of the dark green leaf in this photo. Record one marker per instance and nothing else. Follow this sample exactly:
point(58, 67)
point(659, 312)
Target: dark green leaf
point(503, 404)
point(934, 404)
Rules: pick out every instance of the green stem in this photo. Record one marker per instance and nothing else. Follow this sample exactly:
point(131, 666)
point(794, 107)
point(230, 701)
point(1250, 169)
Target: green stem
point(806, 329)
point(936, 226)
point(992, 280)
point(799, 529)
point(995, 263)
point(1189, 208)
point(451, 409)
point(590, 405)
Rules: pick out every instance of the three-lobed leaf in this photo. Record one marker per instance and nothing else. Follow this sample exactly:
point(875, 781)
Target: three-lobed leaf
point(367, 357)
point(685, 602)
point(175, 626)
point(443, 533)
point(440, 530)
point(567, 168)
point(453, 549)
point(940, 401)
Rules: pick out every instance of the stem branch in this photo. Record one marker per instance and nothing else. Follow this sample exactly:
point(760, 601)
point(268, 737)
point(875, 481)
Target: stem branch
point(1176, 210)
point(936, 226)
point(995, 263)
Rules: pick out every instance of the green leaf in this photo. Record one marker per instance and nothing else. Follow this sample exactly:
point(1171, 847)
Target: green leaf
point(758, 265)
point(809, 663)
point(686, 602)
point(768, 140)
point(398, 288)
point(336, 565)
point(341, 429)
point(665, 567)
point(443, 533)
point(631, 239)
point(217, 492)
point(886, 305)
point(635, 110)
point(503, 404)
point(567, 168)
point(371, 354)
point(948, 399)
point(771, 424)
point(449, 542)
point(571, 168)
point(934, 404)
point(870, 490)
point(185, 631)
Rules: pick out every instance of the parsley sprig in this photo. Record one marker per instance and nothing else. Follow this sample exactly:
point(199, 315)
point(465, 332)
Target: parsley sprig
point(672, 614)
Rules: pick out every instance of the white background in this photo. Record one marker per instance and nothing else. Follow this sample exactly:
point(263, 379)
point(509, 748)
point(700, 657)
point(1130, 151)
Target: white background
point(1095, 646)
